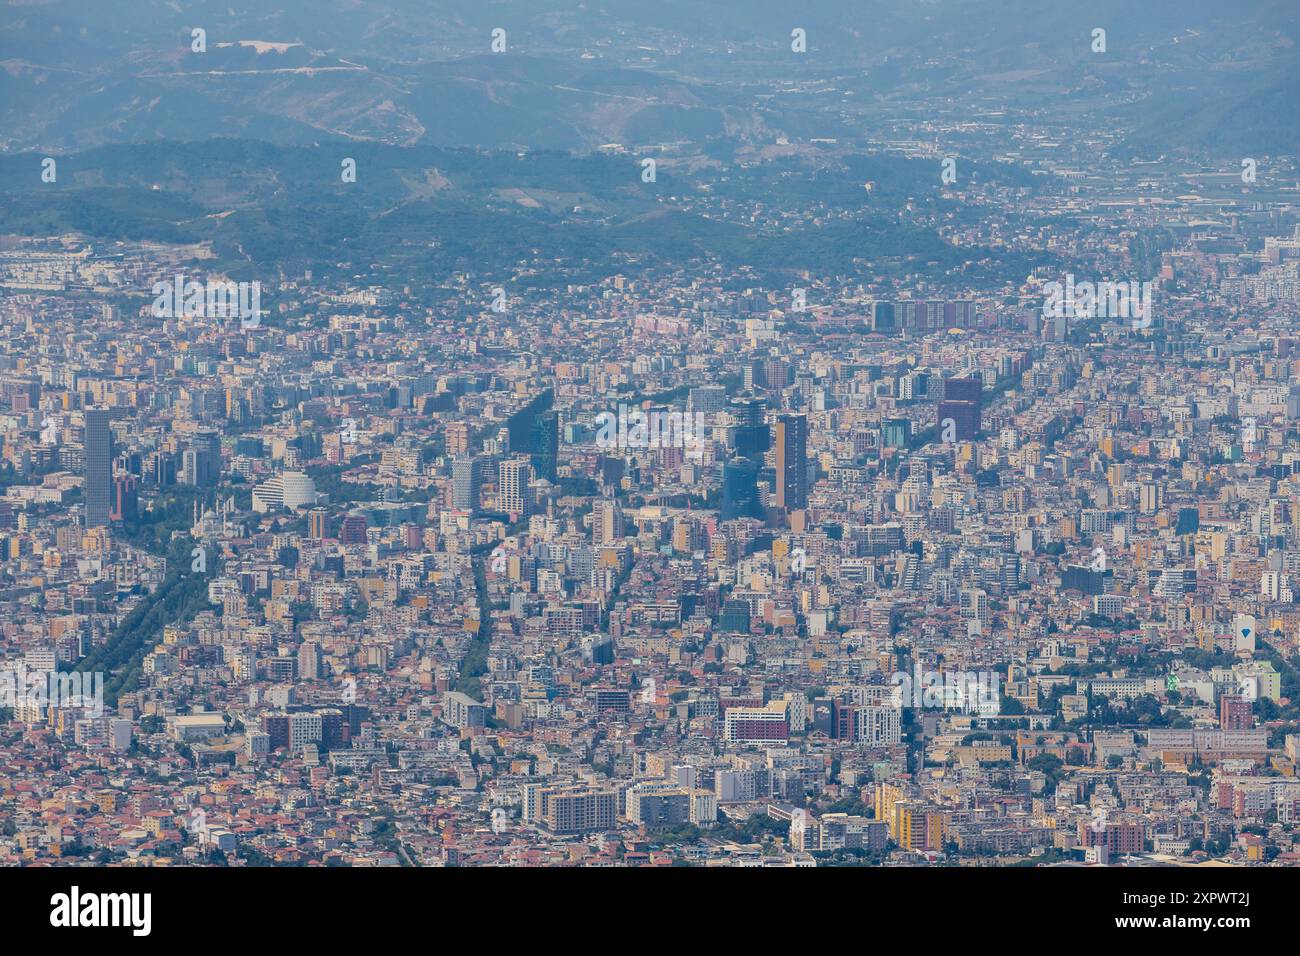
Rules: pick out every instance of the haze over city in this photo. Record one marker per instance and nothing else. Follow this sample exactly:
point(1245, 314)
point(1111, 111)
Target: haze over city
point(612, 434)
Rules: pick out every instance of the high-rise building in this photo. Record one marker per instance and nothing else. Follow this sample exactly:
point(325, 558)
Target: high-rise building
point(708, 399)
point(1234, 712)
point(309, 661)
point(98, 467)
point(975, 605)
point(882, 316)
point(610, 469)
point(962, 402)
point(963, 390)
point(740, 490)
point(895, 432)
point(353, 529)
point(965, 418)
point(457, 435)
point(546, 444)
point(318, 524)
point(125, 506)
point(512, 486)
point(791, 440)
point(276, 727)
point(463, 712)
point(606, 522)
point(752, 438)
point(201, 462)
point(466, 483)
point(162, 469)
point(577, 809)
point(1078, 577)
point(658, 804)
point(291, 490)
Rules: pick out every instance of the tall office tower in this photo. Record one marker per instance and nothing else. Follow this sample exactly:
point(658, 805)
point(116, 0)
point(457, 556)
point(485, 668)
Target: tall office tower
point(751, 432)
point(524, 427)
point(920, 315)
point(963, 390)
point(160, 468)
point(512, 486)
point(912, 386)
point(740, 490)
point(962, 401)
point(965, 418)
point(791, 438)
point(466, 483)
point(546, 444)
point(317, 524)
point(457, 436)
point(201, 462)
point(606, 522)
point(98, 467)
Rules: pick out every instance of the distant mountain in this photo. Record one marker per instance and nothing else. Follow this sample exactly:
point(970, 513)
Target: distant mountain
point(1178, 74)
point(1252, 116)
point(431, 212)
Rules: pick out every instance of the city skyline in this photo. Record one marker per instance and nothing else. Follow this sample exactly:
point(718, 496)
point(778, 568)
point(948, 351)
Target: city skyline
point(548, 436)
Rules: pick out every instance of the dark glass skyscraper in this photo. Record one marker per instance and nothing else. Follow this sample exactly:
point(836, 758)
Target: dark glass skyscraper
point(740, 490)
point(752, 438)
point(962, 401)
point(963, 390)
point(99, 467)
point(546, 444)
point(965, 417)
point(201, 462)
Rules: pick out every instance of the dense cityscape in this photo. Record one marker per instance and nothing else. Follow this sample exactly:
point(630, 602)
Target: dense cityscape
point(970, 537)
